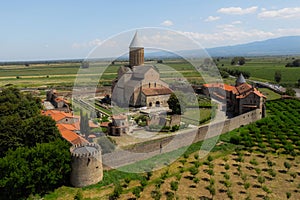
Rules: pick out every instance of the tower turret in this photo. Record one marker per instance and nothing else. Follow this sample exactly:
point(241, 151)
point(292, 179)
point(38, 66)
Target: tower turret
point(136, 52)
point(86, 164)
point(240, 80)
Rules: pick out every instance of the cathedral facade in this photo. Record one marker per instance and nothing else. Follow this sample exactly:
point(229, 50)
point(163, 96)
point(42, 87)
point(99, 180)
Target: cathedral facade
point(139, 85)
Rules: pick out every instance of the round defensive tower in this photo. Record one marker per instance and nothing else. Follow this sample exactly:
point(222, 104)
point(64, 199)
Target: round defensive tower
point(86, 164)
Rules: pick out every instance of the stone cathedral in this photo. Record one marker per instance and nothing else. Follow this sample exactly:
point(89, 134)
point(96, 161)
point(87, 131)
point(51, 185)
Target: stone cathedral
point(139, 85)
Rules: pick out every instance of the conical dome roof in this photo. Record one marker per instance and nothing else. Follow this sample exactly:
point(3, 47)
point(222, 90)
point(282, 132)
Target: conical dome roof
point(135, 43)
point(240, 80)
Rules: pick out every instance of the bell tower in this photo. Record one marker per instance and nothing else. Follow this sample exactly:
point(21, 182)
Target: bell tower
point(136, 52)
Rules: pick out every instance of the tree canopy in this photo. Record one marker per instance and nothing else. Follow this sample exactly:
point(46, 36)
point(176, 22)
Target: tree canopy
point(238, 61)
point(277, 76)
point(177, 102)
point(33, 156)
point(295, 63)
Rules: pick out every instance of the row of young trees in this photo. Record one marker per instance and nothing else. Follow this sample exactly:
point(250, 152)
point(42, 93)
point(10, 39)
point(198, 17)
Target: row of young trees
point(34, 159)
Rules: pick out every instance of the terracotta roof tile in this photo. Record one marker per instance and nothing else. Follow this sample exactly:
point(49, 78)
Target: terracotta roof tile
point(71, 137)
point(104, 124)
point(156, 91)
point(58, 115)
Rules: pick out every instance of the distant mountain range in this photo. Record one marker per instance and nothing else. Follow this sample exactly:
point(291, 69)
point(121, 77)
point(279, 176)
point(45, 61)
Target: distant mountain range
point(289, 45)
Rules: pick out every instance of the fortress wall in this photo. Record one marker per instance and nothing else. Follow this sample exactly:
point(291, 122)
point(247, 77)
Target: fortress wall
point(203, 132)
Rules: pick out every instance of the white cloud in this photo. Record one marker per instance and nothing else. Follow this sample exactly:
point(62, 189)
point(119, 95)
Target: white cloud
point(228, 34)
point(167, 23)
point(281, 13)
point(212, 18)
point(88, 44)
point(288, 31)
point(237, 10)
point(236, 22)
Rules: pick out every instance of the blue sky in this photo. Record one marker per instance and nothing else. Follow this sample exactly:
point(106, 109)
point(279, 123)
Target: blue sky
point(33, 30)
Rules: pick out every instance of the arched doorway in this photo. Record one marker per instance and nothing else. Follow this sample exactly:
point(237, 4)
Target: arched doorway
point(150, 104)
point(157, 104)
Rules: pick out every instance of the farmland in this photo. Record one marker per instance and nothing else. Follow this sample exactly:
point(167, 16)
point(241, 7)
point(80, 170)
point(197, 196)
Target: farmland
point(64, 74)
point(257, 161)
point(263, 68)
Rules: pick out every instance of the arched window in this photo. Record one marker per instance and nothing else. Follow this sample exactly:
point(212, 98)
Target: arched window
point(157, 104)
point(149, 85)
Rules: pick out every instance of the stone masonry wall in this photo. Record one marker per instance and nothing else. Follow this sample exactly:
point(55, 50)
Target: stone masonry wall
point(201, 134)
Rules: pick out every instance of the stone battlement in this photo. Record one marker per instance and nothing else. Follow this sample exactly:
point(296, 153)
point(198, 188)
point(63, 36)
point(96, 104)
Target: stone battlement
point(96, 150)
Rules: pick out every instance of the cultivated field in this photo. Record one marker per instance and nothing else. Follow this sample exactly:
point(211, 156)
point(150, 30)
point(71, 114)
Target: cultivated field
point(257, 161)
point(263, 68)
point(64, 74)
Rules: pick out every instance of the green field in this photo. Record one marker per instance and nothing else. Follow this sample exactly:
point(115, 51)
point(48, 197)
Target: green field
point(64, 74)
point(263, 69)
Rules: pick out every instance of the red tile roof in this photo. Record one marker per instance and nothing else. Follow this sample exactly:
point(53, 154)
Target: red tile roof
point(156, 91)
point(241, 91)
point(58, 115)
point(66, 130)
point(104, 124)
point(220, 85)
point(71, 136)
point(258, 93)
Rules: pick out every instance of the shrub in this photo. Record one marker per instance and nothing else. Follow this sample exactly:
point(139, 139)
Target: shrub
point(156, 194)
point(229, 194)
point(288, 195)
point(246, 185)
point(194, 170)
point(261, 179)
point(170, 195)
point(117, 192)
point(174, 185)
point(78, 195)
point(227, 166)
point(196, 180)
point(226, 176)
point(136, 191)
point(272, 172)
point(253, 162)
point(287, 165)
point(235, 139)
point(143, 182)
point(210, 158)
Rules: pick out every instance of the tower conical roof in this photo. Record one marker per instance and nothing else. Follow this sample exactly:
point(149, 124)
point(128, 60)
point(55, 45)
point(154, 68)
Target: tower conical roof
point(240, 80)
point(135, 43)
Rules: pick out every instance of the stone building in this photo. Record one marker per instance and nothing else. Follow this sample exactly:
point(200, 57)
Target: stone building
point(87, 166)
point(59, 103)
point(118, 126)
point(137, 84)
point(240, 98)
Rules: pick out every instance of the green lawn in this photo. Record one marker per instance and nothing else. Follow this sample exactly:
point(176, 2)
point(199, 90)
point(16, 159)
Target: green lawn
point(271, 95)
